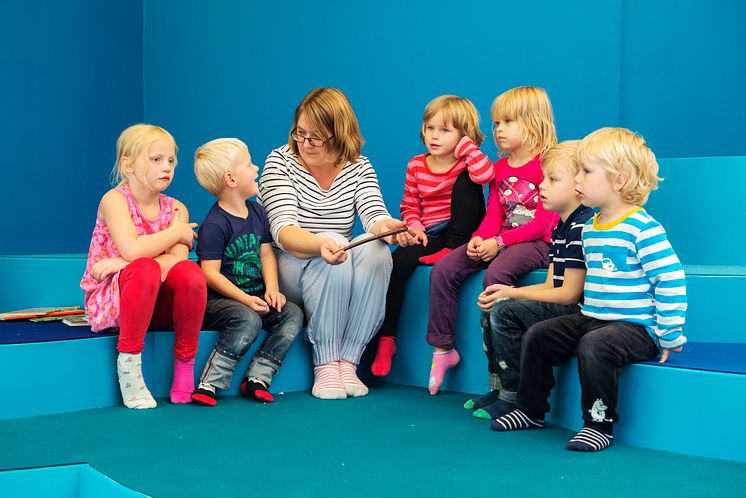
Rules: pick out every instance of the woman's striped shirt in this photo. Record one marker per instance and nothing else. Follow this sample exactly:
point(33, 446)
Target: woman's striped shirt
point(291, 196)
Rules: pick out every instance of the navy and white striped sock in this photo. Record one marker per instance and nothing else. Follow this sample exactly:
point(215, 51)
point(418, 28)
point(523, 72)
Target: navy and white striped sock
point(516, 420)
point(590, 439)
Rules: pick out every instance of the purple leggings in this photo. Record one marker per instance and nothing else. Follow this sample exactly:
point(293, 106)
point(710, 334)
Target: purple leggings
point(449, 273)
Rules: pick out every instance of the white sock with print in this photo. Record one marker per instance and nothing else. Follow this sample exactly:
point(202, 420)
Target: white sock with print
point(135, 393)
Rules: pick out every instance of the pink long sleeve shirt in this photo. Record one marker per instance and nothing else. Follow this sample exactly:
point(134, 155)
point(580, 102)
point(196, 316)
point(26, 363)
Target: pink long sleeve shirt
point(514, 209)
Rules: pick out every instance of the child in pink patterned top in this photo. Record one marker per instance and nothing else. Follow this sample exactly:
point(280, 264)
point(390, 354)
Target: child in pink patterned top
point(514, 236)
point(137, 276)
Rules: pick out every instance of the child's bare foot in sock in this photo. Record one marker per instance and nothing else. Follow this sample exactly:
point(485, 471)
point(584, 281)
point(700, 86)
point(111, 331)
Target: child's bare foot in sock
point(183, 385)
point(386, 350)
point(442, 361)
point(135, 393)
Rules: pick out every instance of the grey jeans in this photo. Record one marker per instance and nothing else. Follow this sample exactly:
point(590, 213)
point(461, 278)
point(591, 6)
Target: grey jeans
point(239, 327)
point(345, 303)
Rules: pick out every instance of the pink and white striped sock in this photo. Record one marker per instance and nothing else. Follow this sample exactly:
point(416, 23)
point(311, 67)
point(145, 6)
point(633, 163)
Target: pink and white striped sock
point(327, 383)
point(353, 386)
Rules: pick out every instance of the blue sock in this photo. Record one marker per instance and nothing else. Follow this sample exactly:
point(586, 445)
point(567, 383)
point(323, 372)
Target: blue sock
point(494, 410)
point(481, 401)
point(592, 437)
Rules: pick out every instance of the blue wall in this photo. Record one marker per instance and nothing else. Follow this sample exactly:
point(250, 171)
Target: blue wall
point(71, 81)
point(671, 70)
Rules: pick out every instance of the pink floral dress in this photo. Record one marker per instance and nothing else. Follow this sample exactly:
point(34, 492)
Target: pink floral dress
point(102, 298)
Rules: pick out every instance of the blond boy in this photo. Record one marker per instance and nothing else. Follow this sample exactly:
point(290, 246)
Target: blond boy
point(238, 262)
point(634, 297)
point(507, 312)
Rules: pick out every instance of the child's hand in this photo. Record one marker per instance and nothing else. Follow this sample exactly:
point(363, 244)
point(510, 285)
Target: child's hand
point(420, 237)
point(492, 294)
point(276, 299)
point(332, 253)
point(184, 229)
point(473, 246)
point(257, 304)
point(488, 249)
point(666, 352)
point(107, 266)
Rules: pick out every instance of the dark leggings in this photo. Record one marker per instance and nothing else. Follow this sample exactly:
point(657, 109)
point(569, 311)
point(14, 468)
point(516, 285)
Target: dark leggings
point(467, 211)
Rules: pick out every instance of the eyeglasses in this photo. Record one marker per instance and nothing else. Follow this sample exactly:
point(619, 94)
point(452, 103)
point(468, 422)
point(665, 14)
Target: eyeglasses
point(312, 141)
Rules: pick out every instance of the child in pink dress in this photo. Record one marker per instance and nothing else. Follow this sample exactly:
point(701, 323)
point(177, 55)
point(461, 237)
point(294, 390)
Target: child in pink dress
point(137, 276)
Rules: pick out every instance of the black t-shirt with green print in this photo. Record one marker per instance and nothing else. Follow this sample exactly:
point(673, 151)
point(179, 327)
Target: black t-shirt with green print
point(235, 242)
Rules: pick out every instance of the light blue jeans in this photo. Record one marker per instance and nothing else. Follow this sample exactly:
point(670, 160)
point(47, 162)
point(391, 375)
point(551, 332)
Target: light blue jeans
point(344, 304)
point(239, 327)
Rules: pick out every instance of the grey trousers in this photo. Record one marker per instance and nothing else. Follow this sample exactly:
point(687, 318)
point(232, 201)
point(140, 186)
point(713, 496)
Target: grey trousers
point(344, 304)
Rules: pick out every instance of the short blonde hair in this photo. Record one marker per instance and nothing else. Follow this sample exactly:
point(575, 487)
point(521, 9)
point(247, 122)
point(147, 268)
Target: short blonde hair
point(328, 111)
point(457, 112)
point(214, 159)
point(623, 153)
point(563, 155)
point(531, 108)
point(134, 142)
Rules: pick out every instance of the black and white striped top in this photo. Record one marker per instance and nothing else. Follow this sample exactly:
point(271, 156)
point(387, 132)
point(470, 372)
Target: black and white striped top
point(566, 250)
point(291, 196)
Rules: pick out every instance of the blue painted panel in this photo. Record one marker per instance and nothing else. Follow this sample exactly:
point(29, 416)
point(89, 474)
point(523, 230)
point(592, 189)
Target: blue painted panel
point(697, 204)
point(682, 77)
point(72, 80)
point(64, 481)
point(240, 68)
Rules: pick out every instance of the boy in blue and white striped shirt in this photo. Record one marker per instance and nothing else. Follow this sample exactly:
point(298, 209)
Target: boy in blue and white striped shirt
point(634, 293)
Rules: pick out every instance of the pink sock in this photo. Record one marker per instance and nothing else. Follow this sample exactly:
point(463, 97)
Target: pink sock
point(183, 385)
point(386, 349)
point(435, 257)
point(441, 363)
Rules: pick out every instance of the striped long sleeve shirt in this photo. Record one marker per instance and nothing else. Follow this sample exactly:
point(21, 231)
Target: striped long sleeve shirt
point(635, 276)
point(427, 195)
point(291, 196)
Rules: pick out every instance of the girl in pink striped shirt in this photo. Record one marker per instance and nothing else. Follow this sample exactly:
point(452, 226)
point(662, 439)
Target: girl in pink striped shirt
point(513, 239)
point(443, 202)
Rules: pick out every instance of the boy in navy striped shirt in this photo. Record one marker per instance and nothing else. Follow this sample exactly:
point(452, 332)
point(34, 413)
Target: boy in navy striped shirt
point(508, 312)
point(634, 293)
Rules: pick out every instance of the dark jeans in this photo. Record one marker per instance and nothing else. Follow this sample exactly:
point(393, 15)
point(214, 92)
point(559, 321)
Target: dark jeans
point(239, 327)
point(449, 274)
point(503, 328)
point(467, 211)
point(602, 347)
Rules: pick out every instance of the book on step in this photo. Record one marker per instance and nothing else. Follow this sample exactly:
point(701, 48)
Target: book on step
point(45, 312)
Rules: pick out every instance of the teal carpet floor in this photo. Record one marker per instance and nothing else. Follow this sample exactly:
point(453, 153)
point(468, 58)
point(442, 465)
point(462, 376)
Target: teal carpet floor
point(398, 441)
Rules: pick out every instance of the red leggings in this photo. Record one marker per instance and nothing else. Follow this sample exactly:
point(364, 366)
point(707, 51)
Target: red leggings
point(147, 303)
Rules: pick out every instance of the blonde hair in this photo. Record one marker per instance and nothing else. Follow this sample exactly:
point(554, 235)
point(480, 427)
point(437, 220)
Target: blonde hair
point(623, 153)
point(563, 155)
point(328, 111)
point(530, 107)
point(214, 159)
point(134, 142)
point(457, 112)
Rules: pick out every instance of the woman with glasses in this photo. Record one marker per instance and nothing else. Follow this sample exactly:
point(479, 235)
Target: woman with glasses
point(312, 189)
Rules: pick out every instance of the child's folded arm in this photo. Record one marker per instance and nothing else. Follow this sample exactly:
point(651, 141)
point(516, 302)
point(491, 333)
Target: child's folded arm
point(536, 229)
point(481, 170)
